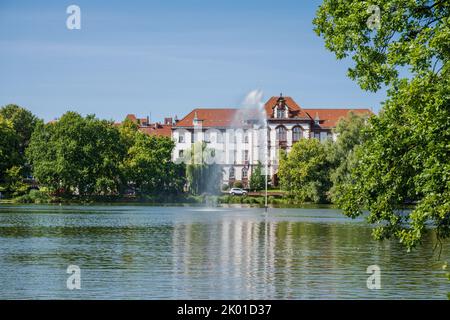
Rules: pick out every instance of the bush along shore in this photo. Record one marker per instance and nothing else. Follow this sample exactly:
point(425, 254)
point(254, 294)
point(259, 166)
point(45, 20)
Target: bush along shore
point(254, 200)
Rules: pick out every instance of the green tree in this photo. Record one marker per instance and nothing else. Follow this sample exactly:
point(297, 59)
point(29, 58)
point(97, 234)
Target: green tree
point(411, 34)
point(23, 122)
point(148, 166)
point(304, 172)
point(77, 155)
point(257, 179)
point(405, 157)
point(203, 175)
point(349, 132)
point(13, 183)
point(9, 154)
point(16, 127)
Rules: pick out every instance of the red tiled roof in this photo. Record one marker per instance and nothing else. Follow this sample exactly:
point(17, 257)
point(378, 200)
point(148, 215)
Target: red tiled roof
point(328, 118)
point(158, 129)
point(131, 117)
point(294, 108)
point(210, 117)
point(228, 117)
point(151, 128)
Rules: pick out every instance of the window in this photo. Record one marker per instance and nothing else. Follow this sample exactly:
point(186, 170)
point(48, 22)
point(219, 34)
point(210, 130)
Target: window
point(246, 137)
point(220, 137)
point(244, 173)
point(296, 134)
point(206, 136)
point(231, 174)
point(181, 138)
point(317, 135)
point(245, 155)
point(180, 153)
point(281, 133)
point(280, 112)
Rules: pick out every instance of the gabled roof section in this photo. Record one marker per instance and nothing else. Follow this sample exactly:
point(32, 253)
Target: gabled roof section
point(328, 118)
point(209, 117)
point(294, 109)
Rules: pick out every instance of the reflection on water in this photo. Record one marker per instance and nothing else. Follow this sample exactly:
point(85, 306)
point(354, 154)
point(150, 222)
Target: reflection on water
point(193, 253)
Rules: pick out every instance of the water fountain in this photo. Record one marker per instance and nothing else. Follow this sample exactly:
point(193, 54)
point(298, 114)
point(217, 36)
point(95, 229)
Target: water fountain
point(252, 112)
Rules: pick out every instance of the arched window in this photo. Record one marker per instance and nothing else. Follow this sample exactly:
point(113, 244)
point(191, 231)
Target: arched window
point(281, 133)
point(244, 173)
point(296, 134)
point(231, 175)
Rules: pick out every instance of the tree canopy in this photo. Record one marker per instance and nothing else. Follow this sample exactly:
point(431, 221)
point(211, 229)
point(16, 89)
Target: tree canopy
point(257, 179)
point(203, 175)
point(304, 171)
point(404, 158)
point(147, 164)
point(77, 155)
point(412, 34)
point(16, 126)
point(350, 134)
point(86, 156)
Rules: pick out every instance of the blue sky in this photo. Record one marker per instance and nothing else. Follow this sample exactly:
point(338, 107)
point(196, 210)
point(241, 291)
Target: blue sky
point(164, 58)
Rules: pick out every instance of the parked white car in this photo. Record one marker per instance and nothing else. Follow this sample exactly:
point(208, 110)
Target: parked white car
point(238, 192)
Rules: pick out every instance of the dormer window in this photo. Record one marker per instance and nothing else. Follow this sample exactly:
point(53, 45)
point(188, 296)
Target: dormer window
point(281, 112)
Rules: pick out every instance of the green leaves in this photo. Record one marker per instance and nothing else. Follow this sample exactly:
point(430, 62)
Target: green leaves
point(77, 155)
point(405, 160)
point(147, 166)
point(304, 172)
point(413, 34)
point(201, 176)
point(400, 173)
point(257, 179)
point(92, 157)
point(16, 127)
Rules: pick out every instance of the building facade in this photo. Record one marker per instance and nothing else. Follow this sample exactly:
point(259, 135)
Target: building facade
point(237, 139)
point(242, 137)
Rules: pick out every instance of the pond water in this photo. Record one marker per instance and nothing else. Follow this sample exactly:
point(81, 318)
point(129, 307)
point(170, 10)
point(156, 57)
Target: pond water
point(150, 252)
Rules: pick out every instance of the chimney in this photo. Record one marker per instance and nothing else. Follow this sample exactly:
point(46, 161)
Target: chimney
point(176, 119)
point(148, 120)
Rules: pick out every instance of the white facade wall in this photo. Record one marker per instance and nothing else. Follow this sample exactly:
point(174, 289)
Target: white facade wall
point(232, 146)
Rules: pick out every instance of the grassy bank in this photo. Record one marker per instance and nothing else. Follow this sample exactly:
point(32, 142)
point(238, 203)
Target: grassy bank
point(253, 199)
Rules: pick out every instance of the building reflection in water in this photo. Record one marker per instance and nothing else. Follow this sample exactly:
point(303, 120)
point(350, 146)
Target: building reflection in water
point(261, 257)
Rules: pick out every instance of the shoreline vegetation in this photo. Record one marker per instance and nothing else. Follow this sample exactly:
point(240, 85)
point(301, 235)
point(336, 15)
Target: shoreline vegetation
point(254, 199)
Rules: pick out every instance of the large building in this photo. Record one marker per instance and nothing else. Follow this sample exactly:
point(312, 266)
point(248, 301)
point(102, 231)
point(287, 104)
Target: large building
point(239, 138)
point(238, 135)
